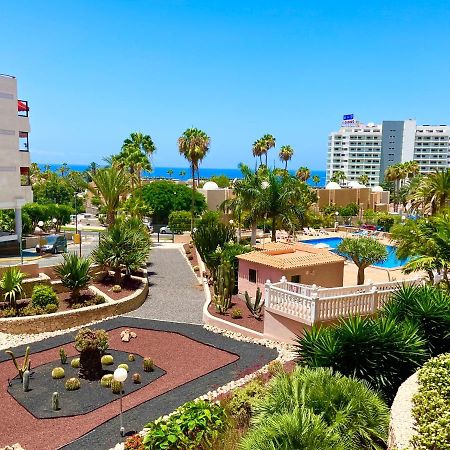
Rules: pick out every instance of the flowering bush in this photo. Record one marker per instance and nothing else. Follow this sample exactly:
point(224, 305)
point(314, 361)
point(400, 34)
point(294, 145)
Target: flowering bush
point(134, 443)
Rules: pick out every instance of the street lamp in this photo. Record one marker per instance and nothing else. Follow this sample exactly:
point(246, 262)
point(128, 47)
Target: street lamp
point(77, 194)
point(41, 242)
point(336, 223)
point(120, 374)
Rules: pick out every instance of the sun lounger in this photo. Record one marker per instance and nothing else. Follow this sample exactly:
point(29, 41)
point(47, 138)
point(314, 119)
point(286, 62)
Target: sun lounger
point(306, 231)
point(313, 232)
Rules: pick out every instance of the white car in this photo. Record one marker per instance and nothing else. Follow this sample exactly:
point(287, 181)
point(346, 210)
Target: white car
point(165, 230)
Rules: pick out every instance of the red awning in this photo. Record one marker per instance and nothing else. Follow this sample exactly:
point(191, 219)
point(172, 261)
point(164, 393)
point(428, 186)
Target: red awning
point(21, 106)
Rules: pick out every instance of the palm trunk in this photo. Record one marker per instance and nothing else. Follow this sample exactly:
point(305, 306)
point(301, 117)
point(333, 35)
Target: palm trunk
point(253, 238)
point(360, 279)
point(274, 230)
point(118, 275)
point(193, 197)
point(285, 165)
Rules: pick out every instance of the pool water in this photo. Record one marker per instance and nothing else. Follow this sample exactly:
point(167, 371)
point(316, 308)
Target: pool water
point(391, 261)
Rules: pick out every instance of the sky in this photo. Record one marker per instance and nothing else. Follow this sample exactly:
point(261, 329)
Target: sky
point(94, 71)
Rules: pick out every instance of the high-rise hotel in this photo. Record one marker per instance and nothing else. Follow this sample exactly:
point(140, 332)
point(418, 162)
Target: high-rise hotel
point(359, 149)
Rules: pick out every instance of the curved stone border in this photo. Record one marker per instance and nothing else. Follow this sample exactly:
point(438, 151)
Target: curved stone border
point(402, 426)
point(73, 318)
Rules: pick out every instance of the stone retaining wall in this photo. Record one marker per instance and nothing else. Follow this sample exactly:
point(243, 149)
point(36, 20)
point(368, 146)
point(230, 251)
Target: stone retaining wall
point(77, 317)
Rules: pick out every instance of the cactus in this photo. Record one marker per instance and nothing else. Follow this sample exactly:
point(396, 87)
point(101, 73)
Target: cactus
point(26, 381)
point(223, 287)
point(123, 366)
point(256, 307)
point(57, 373)
point(26, 364)
point(75, 363)
point(131, 357)
point(55, 401)
point(148, 365)
point(72, 384)
point(136, 378)
point(107, 360)
point(106, 380)
point(117, 288)
point(116, 386)
point(62, 355)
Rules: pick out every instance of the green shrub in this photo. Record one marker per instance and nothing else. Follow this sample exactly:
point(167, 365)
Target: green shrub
point(32, 311)
point(8, 312)
point(180, 221)
point(51, 308)
point(192, 426)
point(381, 351)
point(134, 443)
point(107, 360)
point(57, 373)
point(301, 409)
point(99, 299)
point(74, 273)
point(236, 313)
point(43, 295)
point(431, 405)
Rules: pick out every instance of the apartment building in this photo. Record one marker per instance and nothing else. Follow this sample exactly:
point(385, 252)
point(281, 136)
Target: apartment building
point(15, 185)
point(358, 149)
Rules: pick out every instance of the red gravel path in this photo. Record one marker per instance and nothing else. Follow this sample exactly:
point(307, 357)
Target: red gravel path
point(182, 358)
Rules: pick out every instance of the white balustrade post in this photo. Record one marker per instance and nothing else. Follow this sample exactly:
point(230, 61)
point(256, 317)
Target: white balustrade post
point(373, 299)
point(267, 293)
point(283, 282)
point(314, 304)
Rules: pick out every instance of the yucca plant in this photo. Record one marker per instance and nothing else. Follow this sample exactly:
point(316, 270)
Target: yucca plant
point(380, 351)
point(428, 307)
point(347, 407)
point(74, 273)
point(11, 285)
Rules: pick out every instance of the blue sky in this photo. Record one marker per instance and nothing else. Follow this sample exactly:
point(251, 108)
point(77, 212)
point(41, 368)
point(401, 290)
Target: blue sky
point(93, 71)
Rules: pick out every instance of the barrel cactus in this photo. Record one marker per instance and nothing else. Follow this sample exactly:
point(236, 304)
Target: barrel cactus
point(75, 363)
point(57, 373)
point(131, 357)
point(123, 366)
point(137, 378)
point(116, 386)
point(72, 384)
point(148, 365)
point(107, 360)
point(106, 380)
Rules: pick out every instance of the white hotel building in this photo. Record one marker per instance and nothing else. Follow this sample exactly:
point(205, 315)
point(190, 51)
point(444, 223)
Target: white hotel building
point(15, 186)
point(358, 149)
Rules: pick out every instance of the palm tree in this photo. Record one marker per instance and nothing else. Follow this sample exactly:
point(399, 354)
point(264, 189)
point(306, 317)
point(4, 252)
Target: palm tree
point(316, 180)
point(182, 173)
point(111, 184)
point(170, 173)
point(92, 167)
point(286, 153)
point(338, 176)
point(363, 179)
point(64, 169)
point(193, 144)
point(268, 142)
point(11, 285)
point(364, 252)
point(74, 273)
point(438, 186)
point(258, 150)
point(412, 168)
point(303, 174)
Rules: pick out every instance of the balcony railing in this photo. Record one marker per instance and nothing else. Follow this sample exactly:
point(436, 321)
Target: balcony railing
point(22, 108)
point(24, 143)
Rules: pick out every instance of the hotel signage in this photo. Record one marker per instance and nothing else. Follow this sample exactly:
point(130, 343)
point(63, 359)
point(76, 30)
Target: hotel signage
point(348, 120)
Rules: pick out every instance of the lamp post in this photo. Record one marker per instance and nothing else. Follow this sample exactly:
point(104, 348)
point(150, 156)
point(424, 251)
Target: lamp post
point(120, 374)
point(77, 194)
point(40, 225)
point(336, 223)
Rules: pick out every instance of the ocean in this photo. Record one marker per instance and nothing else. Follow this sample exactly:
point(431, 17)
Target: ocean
point(205, 173)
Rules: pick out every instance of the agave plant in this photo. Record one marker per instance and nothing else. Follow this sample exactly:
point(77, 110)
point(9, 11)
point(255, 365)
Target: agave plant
point(11, 285)
point(74, 273)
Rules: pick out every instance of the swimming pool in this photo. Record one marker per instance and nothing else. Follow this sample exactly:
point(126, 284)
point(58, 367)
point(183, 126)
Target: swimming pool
point(391, 262)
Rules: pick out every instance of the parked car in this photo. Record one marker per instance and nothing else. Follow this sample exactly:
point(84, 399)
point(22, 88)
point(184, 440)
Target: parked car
point(52, 244)
point(165, 230)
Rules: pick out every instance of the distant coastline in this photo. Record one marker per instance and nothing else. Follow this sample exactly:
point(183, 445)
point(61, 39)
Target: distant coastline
point(161, 172)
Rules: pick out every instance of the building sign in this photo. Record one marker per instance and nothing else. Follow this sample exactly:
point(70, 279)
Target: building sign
point(348, 117)
point(348, 120)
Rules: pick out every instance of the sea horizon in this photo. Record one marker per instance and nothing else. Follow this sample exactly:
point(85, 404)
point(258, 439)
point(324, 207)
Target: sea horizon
point(183, 173)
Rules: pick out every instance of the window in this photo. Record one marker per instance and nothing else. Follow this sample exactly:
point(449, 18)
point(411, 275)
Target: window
point(252, 275)
point(295, 279)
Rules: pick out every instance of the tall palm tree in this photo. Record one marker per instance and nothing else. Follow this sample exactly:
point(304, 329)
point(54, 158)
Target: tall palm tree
point(111, 184)
point(363, 179)
point(268, 142)
point(258, 150)
point(412, 168)
point(438, 184)
point(316, 180)
point(193, 144)
point(64, 169)
point(286, 153)
point(303, 174)
point(338, 176)
point(170, 173)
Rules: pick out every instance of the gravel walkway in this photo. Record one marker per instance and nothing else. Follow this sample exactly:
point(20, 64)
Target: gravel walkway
point(175, 294)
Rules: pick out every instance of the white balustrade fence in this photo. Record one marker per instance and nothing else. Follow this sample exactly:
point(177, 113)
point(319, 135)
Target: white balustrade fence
point(311, 304)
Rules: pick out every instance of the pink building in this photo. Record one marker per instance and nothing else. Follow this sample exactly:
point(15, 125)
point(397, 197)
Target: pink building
point(299, 263)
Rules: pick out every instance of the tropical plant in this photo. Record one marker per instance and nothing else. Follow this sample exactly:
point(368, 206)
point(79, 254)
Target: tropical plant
point(363, 179)
point(338, 176)
point(381, 351)
point(193, 144)
point(91, 344)
point(43, 295)
point(303, 174)
point(111, 184)
point(363, 251)
point(428, 307)
point(11, 285)
point(223, 287)
point(285, 155)
point(125, 245)
point(432, 193)
point(344, 409)
point(74, 273)
point(316, 180)
point(255, 307)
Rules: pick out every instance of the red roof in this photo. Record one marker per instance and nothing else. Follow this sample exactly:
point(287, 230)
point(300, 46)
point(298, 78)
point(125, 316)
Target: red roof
point(21, 106)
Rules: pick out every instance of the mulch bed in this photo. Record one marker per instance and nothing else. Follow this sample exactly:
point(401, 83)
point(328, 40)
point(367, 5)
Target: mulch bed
point(128, 287)
point(89, 397)
point(247, 320)
point(182, 359)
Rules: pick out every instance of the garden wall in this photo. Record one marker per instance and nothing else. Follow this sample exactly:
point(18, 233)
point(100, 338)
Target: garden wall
point(77, 317)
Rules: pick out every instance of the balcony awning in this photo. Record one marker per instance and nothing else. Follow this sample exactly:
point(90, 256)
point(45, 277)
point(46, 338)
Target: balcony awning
point(21, 106)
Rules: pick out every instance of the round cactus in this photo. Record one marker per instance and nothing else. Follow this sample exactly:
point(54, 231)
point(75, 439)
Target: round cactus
point(123, 366)
point(148, 365)
point(72, 384)
point(116, 386)
point(131, 357)
point(107, 360)
point(117, 288)
point(75, 363)
point(136, 378)
point(106, 380)
point(57, 373)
